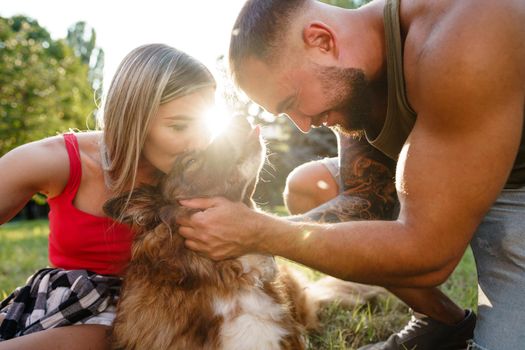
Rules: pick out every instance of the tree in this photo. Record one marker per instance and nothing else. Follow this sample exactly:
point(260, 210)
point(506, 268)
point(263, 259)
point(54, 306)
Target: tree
point(83, 42)
point(44, 86)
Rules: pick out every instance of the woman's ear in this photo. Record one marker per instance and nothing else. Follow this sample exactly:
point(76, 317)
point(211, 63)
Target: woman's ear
point(318, 35)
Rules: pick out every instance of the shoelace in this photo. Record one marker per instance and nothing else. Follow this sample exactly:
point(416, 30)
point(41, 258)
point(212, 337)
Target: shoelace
point(412, 326)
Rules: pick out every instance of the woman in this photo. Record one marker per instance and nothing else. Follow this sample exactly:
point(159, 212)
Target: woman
point(154, 110)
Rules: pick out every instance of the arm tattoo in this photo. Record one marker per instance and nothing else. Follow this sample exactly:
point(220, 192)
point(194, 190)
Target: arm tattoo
point(368, 191)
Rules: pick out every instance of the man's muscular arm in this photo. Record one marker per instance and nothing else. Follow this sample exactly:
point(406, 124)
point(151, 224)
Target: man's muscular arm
point(368, 186)
point(468, 90)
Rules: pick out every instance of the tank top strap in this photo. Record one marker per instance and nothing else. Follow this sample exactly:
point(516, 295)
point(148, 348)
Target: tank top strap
point(400, 117)
point(75, 165)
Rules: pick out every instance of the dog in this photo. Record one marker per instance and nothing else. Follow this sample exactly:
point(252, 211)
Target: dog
point(174, 298)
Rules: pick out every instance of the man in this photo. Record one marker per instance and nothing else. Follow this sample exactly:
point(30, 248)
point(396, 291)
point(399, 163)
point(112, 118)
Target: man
point(438, 87)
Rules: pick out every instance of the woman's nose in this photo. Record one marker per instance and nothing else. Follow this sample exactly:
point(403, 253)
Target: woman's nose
point(202, 140)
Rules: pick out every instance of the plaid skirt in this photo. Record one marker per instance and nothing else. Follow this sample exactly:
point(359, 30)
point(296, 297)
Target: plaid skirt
point(55, 297)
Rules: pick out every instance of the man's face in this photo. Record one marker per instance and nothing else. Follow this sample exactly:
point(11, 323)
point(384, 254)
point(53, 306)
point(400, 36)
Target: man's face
point(309, 94)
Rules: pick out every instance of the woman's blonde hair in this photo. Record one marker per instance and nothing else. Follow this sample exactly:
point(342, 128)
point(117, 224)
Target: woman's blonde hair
point(149, 76)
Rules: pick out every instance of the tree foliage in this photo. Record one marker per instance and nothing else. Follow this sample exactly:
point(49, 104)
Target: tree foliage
point(44, 85)
point(83, 42)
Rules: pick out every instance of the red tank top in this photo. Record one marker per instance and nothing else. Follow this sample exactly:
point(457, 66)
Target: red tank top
point(78, 240)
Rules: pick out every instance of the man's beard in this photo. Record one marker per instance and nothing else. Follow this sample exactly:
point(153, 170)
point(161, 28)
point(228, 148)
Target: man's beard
point(350, 96)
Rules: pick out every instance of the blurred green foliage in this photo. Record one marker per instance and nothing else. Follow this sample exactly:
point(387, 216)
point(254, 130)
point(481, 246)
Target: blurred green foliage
point(45, 84)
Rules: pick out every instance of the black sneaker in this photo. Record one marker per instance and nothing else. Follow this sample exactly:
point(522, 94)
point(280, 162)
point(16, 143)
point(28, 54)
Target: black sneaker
point(425, 333)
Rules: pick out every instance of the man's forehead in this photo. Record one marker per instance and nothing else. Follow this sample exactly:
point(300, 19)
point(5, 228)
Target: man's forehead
point(265, 85)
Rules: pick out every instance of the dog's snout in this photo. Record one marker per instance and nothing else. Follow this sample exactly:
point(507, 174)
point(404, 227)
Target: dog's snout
point(256, 131)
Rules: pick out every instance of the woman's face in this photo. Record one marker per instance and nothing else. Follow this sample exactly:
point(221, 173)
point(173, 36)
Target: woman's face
point(179, 125)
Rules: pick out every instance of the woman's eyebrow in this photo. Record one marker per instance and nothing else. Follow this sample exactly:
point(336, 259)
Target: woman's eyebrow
point(178, 117)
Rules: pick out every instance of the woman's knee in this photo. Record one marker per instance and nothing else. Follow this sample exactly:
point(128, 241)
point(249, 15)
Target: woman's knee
point(308, 186)
point(79, 337)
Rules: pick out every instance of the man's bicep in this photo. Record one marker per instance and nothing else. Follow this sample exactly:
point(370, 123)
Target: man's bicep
point(468, 91)
point(447, 183)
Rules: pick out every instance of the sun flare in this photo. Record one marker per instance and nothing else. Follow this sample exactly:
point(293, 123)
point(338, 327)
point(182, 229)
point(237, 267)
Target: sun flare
point(217, 119)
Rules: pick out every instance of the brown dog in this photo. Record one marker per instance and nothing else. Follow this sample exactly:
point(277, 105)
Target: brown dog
point(173, 298)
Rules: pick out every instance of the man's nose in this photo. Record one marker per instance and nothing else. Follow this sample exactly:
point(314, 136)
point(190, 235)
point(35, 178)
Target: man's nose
point(301, 121)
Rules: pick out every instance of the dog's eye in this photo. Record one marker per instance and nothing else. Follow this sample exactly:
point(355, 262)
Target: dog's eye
point(189, 162)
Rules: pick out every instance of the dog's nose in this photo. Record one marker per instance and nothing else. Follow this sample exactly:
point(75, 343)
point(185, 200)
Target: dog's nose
point(256, 131)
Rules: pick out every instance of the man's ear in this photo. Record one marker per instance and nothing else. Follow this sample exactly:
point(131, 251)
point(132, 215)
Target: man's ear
point(320, 36)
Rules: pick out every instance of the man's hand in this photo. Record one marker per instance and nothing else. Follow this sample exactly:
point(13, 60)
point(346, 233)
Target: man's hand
point(222, 229)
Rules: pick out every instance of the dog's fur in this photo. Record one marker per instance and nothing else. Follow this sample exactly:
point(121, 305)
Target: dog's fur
point(173, 298)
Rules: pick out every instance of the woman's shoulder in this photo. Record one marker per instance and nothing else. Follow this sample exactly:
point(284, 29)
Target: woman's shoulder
point(42, 165)
point(45, 164)
point(50, 150)
point(89, 142)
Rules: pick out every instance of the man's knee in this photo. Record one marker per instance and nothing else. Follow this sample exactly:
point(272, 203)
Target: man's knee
point(308, 186)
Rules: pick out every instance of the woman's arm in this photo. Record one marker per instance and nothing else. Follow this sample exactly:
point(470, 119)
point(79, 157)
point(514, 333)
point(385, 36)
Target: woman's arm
point(36, 167)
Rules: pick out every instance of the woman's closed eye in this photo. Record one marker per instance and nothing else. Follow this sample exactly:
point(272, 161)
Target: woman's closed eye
point(179, 127)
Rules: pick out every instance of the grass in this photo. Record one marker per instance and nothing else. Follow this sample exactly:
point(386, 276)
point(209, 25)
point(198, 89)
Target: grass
point(23, 250)
point(345, 329)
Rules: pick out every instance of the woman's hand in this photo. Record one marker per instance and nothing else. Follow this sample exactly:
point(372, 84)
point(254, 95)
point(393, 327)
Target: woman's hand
point(222, 229)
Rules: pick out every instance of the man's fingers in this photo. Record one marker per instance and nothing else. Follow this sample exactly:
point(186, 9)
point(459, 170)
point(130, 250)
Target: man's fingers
point(191, 240)
point(193, 245)
point(187, 232)
point(201, 203)
point(198, 248)
point(193, 220)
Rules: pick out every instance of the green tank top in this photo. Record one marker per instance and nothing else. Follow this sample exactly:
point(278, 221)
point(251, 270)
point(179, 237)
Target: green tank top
point(400, 117)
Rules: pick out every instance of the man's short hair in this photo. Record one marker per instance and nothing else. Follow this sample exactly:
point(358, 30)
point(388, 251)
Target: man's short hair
point(258, 28)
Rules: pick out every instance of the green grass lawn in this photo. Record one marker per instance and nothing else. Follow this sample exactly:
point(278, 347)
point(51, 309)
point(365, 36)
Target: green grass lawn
point(23, 250)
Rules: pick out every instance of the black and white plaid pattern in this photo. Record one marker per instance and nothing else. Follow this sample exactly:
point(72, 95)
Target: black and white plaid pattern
point(54, 298)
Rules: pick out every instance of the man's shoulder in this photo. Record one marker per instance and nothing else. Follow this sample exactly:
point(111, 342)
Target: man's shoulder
point(438, 25)
point(438, 15)
point(461, 47)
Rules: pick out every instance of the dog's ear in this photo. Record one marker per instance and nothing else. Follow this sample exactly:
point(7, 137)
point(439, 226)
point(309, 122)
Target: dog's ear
point(138, 208)
point(168, 214)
